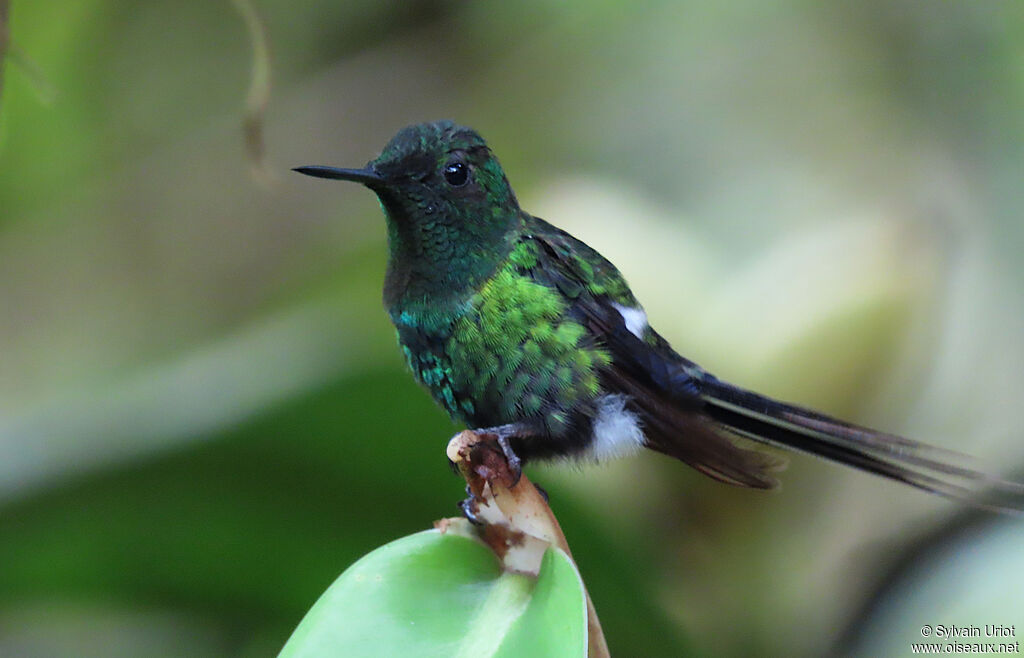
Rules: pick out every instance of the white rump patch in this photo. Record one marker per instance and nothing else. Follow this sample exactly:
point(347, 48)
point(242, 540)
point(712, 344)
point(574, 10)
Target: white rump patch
point(635, 319)
point(616, 431)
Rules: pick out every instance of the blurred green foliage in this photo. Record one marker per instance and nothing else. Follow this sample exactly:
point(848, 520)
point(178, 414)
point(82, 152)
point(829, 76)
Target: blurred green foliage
point(203, 416)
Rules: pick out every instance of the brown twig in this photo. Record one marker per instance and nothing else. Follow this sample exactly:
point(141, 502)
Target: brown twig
point(518, 523)
point(258, 96)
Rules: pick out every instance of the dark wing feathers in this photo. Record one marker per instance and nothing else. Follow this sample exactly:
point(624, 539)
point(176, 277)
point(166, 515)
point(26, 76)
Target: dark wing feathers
point(687, 413)
point(663, 394)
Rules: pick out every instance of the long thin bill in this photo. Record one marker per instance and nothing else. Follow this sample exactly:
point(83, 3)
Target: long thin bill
point(365, 176)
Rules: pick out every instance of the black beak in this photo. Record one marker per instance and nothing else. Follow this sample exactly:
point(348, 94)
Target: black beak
point(366, 176)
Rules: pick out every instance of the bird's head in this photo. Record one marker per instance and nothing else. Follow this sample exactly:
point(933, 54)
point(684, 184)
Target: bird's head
point(449, 206)
point(434, 172)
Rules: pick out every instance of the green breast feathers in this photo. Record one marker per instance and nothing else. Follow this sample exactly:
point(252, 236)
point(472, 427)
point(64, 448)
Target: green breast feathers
point(514, 353)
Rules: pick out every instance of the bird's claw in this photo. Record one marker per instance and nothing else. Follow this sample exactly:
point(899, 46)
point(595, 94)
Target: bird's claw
point(515, 465)
point(471, 510)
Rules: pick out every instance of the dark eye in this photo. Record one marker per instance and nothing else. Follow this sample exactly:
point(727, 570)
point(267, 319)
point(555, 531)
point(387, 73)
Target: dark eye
point(456, 174)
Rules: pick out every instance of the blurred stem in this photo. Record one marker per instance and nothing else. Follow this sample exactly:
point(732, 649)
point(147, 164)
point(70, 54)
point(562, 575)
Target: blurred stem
point(9, 52)
point(5, 37)
point(258, 96)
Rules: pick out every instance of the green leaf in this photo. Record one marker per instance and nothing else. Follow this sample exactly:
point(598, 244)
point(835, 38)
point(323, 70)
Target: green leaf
point(433, 594)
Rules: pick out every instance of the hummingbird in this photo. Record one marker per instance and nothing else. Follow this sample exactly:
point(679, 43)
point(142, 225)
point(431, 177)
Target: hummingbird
point(524, 333)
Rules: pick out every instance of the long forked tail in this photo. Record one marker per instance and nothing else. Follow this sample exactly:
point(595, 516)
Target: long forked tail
point(926, 467)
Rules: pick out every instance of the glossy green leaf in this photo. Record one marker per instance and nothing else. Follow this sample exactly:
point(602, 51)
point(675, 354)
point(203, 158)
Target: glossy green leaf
point(433, 594)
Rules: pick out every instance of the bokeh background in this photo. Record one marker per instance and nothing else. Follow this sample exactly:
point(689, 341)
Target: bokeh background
point(203, 415)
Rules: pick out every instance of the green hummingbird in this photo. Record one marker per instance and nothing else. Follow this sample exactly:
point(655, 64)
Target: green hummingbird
point(525, 333)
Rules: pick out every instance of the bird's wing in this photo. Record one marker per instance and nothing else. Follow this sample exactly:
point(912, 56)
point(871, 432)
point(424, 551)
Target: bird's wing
point(687, 412)
point(658, 385)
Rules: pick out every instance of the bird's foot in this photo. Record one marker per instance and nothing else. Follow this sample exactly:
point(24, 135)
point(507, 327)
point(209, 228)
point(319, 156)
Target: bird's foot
point(484, 456)
point(515, 465)
point(470, 507)
point(501, 435)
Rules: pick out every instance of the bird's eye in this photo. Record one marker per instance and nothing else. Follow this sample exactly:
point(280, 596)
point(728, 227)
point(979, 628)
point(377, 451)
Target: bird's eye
point(456, 174)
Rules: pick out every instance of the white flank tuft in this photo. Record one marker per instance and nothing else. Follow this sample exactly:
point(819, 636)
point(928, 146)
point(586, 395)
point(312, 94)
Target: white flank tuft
point(635, 319)
point(616, 431)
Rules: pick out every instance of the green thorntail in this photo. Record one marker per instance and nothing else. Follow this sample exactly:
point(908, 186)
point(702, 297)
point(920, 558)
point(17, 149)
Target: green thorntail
point(522, 331)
